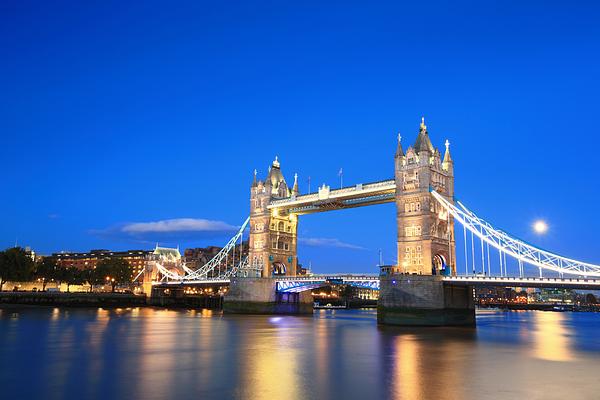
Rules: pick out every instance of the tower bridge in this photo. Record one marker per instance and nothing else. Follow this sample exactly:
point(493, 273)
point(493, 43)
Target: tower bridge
point(426, 287)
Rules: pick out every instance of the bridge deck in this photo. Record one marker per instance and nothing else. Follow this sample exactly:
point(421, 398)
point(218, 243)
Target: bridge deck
point(347, 197)
point(559, 283)
point(372, 281)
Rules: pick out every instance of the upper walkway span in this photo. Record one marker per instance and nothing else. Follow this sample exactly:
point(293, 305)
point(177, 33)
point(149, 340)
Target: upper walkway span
point(327, 199)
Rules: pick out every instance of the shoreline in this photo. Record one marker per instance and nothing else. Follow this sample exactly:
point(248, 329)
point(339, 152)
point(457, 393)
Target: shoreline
point(125, 300)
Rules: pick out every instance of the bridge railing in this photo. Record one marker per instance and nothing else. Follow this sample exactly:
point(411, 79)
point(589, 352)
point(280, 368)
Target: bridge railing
point(335, 193)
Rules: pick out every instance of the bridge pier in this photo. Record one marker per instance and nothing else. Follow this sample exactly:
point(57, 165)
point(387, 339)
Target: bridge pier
point(259, 296)
point(424, 300)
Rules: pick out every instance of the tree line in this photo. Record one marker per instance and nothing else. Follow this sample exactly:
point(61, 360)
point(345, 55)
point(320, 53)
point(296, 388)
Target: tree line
point(17, 266)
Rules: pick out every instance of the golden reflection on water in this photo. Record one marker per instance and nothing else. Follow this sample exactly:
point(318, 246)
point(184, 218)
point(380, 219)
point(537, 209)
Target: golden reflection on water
point(157, 357)
point(551, 338)
point(427, 366)
point(407, 379)
point(270, 368)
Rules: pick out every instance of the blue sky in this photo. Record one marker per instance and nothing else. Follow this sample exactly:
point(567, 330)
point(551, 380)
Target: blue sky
point(116, 115)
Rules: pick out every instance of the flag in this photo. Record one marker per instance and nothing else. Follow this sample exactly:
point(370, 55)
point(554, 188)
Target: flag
point(341, 172)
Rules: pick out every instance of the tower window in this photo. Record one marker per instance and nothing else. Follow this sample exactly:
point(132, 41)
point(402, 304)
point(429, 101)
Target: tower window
point(280, 226)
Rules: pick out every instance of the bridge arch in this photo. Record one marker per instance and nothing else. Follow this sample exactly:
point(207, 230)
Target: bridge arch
point(439, 265)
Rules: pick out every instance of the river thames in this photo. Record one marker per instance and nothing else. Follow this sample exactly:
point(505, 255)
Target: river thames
point(146, 353)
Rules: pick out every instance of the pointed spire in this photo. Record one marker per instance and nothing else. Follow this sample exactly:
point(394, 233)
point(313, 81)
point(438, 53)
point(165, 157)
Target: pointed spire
point(447, 157)
point(399, 151)
point(295, 188)
point(254, 181)
point(423, 143)
point(275, 177)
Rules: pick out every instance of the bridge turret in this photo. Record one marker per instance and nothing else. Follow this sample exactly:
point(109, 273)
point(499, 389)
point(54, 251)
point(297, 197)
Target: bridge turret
point(425, 232)
point(273, 244)
point(295, 190)
point(448, 163)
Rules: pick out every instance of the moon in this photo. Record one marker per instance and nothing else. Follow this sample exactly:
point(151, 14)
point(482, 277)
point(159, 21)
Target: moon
point(540, 227)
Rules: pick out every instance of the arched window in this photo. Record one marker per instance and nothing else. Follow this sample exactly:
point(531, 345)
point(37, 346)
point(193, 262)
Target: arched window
point(280, 226)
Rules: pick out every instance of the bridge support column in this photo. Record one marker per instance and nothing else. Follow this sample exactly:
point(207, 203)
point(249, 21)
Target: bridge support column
point(259, 296)
point(424, 300)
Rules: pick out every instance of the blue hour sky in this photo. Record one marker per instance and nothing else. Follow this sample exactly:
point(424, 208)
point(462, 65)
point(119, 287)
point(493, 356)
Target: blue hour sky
point(124, 124)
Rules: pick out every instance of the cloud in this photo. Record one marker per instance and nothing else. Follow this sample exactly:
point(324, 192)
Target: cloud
point(177, 225)
point(328, 242)
point(180, 228)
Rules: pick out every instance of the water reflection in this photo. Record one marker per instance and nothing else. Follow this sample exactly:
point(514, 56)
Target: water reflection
point(425, 363)
point(270, 360)
point(551, 338)
point(156, 354)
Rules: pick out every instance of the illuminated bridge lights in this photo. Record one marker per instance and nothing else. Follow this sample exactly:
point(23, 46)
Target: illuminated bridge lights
point(300, 284)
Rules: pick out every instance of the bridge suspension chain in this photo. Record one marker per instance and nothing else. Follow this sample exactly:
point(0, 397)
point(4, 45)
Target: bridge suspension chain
point(221, 266)
point(516, 248)
point(216, 261)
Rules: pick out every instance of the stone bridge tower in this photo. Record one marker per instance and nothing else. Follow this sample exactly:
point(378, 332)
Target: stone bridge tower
point(426, 243)
point(273, 234)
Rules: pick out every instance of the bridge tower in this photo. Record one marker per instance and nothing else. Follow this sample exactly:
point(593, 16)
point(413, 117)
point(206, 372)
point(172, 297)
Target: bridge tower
point(426, 243)
point(273, 234)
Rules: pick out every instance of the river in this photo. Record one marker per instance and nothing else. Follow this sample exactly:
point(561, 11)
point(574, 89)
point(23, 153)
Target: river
point(147, 353)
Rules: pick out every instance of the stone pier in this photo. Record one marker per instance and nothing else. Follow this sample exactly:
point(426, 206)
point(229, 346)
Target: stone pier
point(424, 300)
point(259, 296)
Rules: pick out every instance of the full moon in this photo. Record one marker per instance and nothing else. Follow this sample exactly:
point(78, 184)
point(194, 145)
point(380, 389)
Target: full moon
point(540, 226)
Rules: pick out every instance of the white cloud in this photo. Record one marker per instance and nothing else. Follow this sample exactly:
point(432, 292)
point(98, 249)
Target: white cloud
point(178, 228)
point(328, 242)
point(177, 225)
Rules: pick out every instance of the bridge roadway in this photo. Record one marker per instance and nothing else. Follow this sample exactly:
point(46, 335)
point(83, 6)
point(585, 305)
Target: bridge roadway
point(294, 284)
point(326, 199)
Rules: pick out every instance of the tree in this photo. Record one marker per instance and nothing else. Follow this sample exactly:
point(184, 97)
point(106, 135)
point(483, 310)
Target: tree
point(73, 276)
point(15, 265)
point(115, 271)
point(93, 277)
point(46, 271)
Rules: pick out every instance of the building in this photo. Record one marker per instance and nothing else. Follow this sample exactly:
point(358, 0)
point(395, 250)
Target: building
point(82, 261)
point(425, 231)
point(195, 258)
point(273, 237)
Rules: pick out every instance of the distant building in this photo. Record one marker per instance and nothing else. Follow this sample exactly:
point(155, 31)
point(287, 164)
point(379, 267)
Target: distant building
point(195, 258)
point(29, 251)
point(82, 261)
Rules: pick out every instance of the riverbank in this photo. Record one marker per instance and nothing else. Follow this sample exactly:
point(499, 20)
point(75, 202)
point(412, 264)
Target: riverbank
point(543, 307)
point(67, 299)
